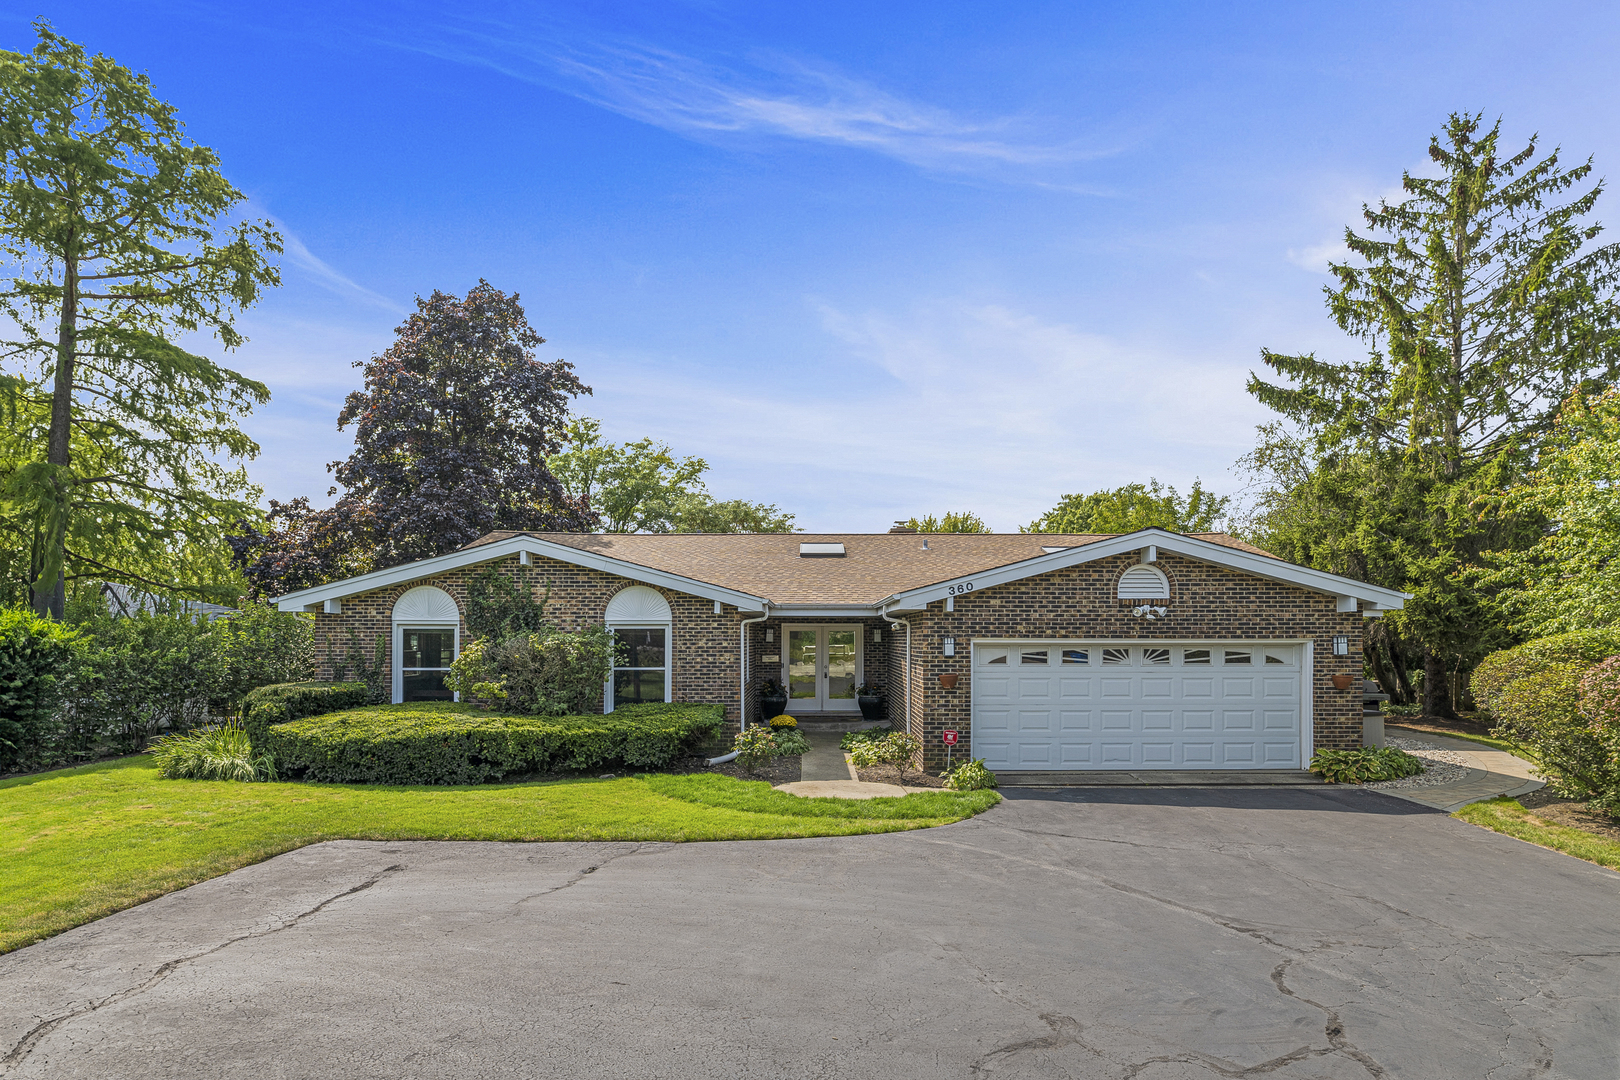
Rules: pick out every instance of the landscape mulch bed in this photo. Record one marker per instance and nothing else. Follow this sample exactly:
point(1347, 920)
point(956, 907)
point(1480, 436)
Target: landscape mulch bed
point(782, 770)
point(888, 774)
point(1574, 815)
point(1439, 725)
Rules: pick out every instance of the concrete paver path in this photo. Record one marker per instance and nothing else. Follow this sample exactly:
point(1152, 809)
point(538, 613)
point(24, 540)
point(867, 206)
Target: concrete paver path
point(1493, 773)
point(1151, 933)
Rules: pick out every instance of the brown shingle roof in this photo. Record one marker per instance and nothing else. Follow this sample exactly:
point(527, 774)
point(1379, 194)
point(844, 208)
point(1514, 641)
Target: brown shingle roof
point(875, 565)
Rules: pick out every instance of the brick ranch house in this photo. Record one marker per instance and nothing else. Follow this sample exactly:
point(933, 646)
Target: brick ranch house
point(1152, 650)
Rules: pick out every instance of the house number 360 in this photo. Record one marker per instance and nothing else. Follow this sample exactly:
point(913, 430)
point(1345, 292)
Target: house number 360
point(958, 590)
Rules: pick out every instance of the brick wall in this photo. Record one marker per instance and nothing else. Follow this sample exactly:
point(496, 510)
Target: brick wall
point(1207, 602)
point(703, 663)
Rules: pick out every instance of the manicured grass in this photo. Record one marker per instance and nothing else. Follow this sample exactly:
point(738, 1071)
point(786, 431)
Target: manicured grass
point(81, 843)
point(1507, 816)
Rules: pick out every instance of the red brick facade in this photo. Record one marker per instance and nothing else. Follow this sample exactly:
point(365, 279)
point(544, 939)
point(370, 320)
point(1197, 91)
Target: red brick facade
point(1207, 603)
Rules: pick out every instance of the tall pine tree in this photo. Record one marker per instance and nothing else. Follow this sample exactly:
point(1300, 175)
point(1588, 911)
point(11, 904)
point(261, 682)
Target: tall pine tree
point(1484, 301)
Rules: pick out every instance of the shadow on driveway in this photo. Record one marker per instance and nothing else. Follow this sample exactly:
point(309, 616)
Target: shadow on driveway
point(1343, 800)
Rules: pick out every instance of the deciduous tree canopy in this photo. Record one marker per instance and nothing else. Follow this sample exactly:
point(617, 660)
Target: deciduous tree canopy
point(1135, 506)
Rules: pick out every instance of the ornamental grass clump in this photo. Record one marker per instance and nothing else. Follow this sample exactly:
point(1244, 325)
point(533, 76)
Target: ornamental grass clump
point(1366, 765)
point(223, 752)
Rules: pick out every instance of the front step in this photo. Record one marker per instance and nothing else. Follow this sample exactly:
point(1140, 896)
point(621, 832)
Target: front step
point(1160, 778)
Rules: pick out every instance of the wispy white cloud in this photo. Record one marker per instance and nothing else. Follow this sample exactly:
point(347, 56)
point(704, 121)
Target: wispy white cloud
point(325, 275)
point(767, 94)
point(945, 405)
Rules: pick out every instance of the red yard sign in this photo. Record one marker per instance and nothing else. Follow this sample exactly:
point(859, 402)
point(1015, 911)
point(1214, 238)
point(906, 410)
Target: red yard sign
point(950, 738)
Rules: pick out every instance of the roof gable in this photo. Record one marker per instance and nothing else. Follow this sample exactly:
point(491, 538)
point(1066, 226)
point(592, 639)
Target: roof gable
point(895, 571)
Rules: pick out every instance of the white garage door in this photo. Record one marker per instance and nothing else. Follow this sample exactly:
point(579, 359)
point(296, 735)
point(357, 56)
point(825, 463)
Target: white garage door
point(1043, 705)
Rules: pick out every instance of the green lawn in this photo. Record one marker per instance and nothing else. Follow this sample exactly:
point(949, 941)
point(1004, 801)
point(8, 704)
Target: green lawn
point(82, 843)
point(1509, 817)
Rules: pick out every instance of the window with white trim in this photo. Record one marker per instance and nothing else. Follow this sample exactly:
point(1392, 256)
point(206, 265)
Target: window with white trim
point(642, 627)
point(640, 664)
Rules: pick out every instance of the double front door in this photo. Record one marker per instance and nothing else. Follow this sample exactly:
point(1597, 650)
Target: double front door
point(823, 668)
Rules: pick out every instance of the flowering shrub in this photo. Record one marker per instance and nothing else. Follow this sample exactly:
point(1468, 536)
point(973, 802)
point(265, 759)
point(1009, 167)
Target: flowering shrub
point(895, 748)
point(755, 746)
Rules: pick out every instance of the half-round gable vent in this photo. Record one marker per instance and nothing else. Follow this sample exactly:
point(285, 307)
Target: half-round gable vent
point(1144, 582)
point(637, 604)
point(425, 603)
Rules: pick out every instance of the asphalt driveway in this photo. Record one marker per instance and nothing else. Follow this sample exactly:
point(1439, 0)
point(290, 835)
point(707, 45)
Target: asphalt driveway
point(1095, 933)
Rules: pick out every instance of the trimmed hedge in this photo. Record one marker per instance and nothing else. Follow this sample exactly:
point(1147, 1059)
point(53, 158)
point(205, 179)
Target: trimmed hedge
point(281, 703)
point(451, 743)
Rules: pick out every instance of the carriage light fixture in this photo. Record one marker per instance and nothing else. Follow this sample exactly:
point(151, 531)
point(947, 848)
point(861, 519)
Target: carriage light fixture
point(950, 646)
point(1341, 645)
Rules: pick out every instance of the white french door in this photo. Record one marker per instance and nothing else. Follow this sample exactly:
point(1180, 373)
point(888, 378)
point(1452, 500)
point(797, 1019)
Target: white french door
point(822, 667)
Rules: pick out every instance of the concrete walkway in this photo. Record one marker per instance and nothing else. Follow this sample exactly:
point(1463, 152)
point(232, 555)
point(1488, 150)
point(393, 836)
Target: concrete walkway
point(1492, 773)
point(825, 773)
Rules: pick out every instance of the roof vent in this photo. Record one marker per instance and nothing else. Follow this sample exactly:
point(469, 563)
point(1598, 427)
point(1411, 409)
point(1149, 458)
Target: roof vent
point(902, 527)
point(821, 551)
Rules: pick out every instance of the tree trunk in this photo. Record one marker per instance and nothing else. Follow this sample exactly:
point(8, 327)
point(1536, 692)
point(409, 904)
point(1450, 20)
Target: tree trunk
point(51, 602)
point(1386, 682)
point(1436, 700)
point(1402, 679)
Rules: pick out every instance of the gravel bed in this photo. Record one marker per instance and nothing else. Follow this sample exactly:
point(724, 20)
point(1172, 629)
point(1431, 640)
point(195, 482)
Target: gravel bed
point(1440, 766)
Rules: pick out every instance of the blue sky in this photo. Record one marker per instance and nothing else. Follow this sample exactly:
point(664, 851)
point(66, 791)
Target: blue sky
point(868, 260)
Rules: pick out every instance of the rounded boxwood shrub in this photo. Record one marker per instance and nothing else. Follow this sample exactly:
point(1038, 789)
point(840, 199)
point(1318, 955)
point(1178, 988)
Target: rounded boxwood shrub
point(282, 703)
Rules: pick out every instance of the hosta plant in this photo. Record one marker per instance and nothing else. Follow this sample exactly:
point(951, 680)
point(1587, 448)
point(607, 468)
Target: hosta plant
point(970, 776)
point(1366, 765)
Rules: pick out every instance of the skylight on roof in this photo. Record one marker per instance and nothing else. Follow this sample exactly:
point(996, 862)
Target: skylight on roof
point(812, 551)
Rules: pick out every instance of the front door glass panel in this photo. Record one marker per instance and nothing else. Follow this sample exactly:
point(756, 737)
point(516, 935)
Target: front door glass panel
point(841, 675)
point(803, 664)
point(823, 667)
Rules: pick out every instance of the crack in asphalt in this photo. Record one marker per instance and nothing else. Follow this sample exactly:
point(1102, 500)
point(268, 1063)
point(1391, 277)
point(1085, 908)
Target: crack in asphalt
point(26, 1044)
point(1065, 1032)
point(1334, 1028)
point(580, 876)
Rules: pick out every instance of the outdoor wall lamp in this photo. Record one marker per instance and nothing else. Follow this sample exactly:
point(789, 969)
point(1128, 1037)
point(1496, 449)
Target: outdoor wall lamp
point(1341, 645)
point(770, 635)
point(950, 646)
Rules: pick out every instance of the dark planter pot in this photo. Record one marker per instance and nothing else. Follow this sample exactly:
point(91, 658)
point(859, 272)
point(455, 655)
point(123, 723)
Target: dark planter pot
point(873, 707)
point(773, 706)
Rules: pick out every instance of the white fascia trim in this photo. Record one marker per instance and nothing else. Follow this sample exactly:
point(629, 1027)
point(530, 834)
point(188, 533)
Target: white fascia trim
point(823, 611)
point(305, 599)
point(1234, 558)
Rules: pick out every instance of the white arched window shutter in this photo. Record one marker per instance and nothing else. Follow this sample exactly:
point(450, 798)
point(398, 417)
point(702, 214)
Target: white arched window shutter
point(641, 623)
point(1144, 582)
point(426, 639)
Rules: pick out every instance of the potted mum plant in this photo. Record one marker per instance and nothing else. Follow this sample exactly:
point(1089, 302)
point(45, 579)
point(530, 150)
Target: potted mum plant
point(773, 699)
point(869, 696)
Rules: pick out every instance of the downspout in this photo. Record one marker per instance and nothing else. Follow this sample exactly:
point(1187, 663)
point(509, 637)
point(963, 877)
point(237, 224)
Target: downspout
point(742, 679)
point(907, 623)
